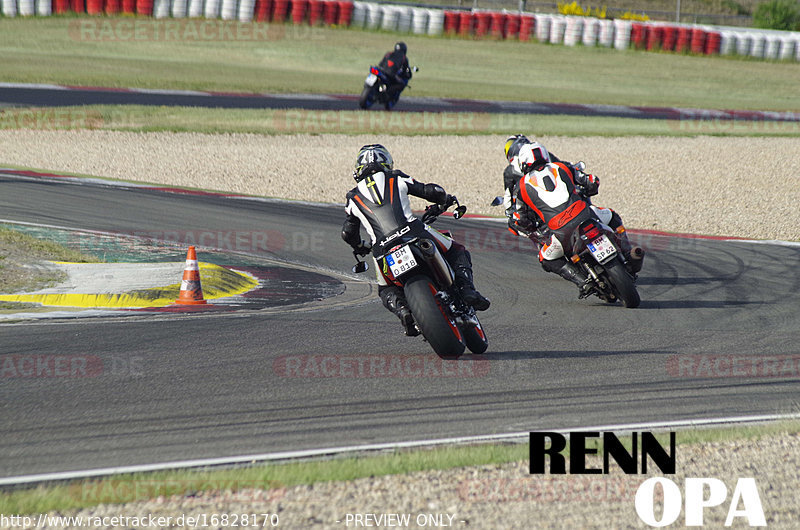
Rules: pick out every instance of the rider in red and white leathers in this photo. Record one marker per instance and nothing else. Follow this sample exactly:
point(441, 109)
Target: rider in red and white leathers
point(380, 203)
point(547, 205)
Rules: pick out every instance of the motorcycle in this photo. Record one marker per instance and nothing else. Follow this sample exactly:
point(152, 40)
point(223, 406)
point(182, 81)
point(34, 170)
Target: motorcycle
point(414, 262)
point(376, 89)
point(593, 246)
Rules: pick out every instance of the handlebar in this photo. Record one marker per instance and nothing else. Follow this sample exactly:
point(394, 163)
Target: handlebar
point(433, 211)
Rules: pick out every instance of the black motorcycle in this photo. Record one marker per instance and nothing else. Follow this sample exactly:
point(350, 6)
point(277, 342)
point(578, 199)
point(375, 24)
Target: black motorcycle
point(376, 90)
point(596, 252)
point(414, 263)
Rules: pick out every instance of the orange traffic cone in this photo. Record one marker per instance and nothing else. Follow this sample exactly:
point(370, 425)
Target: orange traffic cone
point(191, 291)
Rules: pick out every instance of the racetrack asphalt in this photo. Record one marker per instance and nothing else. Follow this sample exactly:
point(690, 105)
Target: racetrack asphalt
point(41, 95)
point(715, 336)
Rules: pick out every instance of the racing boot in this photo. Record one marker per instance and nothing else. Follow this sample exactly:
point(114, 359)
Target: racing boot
point(462, 264)
point(394, 301)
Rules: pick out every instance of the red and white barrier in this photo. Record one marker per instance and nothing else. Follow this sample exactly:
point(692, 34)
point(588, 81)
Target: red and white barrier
point(195, 8)
point(211, 9)
point(622, 34)
point(26, 8)
point(404, 19)
point(554, 29)
point(435, 21)
point(573, 30)
point(9, 8)
point(161, 8)
point(246, 10)
point(543, 23)
point(591, 32)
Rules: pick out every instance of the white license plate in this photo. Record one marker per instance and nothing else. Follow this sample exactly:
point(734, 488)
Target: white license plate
point(602, 248)
point(371, 78)
point(401, 261)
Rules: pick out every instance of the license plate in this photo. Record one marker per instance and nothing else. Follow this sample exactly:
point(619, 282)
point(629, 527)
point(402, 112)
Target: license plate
point(401, 261)
point(602, 248)
point(371, 78)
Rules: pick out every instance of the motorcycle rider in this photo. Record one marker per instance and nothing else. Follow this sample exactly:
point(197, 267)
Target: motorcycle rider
point(380, 204)
point(395, 65)
point(512, 174)
point(544, 200)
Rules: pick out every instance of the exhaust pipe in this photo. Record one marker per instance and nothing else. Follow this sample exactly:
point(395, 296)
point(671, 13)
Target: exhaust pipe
point(436, 261)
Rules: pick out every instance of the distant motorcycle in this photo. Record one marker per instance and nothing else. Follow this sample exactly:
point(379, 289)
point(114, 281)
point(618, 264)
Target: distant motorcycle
point(414, 262)
point(376, 89)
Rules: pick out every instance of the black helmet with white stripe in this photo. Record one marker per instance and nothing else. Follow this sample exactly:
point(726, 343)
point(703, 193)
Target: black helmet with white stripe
point(371, 159)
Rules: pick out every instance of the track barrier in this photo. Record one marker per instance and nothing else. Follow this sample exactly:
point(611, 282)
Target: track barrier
point(454, 22)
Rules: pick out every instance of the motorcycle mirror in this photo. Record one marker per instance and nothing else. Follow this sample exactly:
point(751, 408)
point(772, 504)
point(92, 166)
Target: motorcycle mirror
point(459, 212)
point(360, 267)
point(580, 166)
point(497, 201)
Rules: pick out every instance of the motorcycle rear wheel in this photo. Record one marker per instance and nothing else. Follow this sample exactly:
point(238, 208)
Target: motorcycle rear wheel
point(622, 283)
point(437, 327)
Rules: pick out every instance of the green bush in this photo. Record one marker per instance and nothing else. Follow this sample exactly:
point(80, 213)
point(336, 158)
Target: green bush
point(778, 14)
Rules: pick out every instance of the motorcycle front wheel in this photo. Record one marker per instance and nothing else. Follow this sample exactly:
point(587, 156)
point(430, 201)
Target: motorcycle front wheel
point(437, 327)
point(475, 338)
point(366, 99)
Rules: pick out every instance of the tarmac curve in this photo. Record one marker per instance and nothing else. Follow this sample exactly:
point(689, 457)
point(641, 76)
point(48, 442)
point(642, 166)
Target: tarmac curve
point(714, 337)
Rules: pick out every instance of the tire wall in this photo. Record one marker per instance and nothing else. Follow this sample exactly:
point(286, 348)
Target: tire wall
point(456, 23)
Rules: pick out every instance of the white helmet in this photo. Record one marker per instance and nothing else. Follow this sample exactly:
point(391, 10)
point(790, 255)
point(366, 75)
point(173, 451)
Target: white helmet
point(532, 157)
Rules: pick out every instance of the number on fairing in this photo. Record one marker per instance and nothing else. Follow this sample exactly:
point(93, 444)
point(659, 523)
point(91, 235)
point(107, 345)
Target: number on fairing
point(602, 248)
point(371, 78)
point(401, 261)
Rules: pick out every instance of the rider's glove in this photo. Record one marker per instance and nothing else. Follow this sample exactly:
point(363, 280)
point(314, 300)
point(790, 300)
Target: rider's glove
point(518, 225)
point(362, 249)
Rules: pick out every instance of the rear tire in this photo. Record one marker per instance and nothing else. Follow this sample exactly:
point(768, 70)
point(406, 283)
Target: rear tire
point(437, 328)
point(475, 339)
point(366, 99)
point(622, 283)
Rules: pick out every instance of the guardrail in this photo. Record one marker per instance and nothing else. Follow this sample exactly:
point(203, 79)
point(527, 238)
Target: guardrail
point(473, 23)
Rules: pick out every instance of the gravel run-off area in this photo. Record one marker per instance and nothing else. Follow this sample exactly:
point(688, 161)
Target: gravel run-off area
point(745, 187)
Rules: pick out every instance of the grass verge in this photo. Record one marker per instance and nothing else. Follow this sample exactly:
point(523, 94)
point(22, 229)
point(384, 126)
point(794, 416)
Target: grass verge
point(232, 56)
point(138, 118)
point(137, 487)
point(20, 255)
